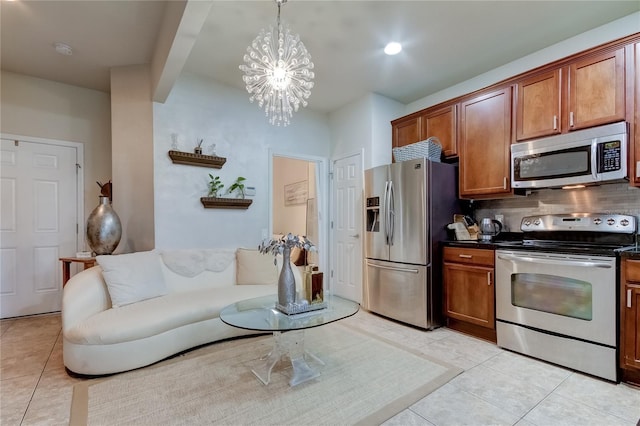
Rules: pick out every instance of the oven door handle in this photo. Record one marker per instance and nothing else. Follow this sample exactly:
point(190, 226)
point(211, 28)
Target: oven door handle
point(564, 262)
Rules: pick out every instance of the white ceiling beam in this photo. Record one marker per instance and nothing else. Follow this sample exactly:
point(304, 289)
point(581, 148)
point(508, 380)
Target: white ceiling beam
point(183, 20)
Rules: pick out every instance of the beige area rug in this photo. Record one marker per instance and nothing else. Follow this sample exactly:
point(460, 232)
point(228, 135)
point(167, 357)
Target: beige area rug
point(364, 380)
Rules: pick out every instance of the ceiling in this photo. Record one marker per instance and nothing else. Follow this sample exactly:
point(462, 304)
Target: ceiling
point(444, 42)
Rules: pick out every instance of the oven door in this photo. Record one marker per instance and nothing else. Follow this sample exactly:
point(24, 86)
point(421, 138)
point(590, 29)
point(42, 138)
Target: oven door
point(570, 295)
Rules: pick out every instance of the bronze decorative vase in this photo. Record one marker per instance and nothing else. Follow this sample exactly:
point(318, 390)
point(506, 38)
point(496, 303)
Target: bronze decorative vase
point(103, 228)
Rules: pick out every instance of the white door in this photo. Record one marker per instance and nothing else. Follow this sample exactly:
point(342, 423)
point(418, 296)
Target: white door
point(38, 220)
point(347, 259)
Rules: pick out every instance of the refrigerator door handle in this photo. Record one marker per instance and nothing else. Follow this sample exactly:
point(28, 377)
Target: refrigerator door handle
point(373, 265)
point(392, 213)
point(385, 212)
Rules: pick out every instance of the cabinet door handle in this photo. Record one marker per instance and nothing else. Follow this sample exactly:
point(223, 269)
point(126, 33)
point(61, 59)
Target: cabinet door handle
point(629, 298)
point(571, 119)
point(504, 182)
point(489, 278)
point(555, 122)
point(465, 256)
point(638, 169)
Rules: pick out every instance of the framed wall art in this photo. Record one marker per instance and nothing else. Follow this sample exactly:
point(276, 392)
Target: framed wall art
point(296, 193)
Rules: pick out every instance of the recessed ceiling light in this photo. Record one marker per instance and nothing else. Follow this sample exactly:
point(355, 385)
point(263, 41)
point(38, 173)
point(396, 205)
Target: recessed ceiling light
point(63, 49)
point(392, 48)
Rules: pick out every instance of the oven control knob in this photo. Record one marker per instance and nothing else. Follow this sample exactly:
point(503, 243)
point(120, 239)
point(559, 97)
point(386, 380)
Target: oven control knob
point(597, 221)
point(536, 222)
point(527, 222)
point(624, 222)
point(611, 221)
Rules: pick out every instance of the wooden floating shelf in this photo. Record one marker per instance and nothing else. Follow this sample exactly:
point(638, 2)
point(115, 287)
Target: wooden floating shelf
point(225, 203)
point(201, 160)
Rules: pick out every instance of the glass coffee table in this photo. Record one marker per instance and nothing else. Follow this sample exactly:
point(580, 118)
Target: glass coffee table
point(260, 314)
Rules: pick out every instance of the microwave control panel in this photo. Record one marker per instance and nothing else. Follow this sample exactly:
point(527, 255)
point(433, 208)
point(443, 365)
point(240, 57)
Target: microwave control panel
point(609, 156)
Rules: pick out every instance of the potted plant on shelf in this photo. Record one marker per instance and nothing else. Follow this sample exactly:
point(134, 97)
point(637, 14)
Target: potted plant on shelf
point(215, 185)
point(213, 200)
point(237, 187)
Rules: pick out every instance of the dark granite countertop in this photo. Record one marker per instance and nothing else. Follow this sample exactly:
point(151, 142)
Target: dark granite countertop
point(632, 252)
point(503, 240)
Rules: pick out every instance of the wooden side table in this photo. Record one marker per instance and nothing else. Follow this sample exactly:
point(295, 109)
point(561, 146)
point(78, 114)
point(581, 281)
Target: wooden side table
point(66, 265)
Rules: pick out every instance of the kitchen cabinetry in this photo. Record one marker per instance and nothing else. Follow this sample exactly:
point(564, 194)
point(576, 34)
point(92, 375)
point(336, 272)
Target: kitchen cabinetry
point(538, 105)
point(596, 90)
point(469, 294)
point(485, 137)
point(439, 122)
point(585, 93)
point(406, 130)
point(630, 321)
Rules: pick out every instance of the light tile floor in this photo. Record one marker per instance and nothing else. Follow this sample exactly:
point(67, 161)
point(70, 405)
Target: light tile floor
point(497, 387)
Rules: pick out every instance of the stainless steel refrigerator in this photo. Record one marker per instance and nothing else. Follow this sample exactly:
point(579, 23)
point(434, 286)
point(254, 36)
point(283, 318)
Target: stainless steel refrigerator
point(408, 205)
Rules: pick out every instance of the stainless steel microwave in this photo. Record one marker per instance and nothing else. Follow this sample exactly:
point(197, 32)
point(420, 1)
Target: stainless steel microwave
point(583, 157)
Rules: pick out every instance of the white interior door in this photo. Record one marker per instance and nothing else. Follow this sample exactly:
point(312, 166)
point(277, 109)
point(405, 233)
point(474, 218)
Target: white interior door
point(347, 259)
point(38, 224)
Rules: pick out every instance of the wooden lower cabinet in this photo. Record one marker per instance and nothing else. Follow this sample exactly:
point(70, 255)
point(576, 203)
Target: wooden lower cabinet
point(469, 291)
point(630, 321)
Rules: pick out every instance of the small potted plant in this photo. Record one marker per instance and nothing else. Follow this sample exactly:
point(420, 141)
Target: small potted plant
point(215, 185)
point(237, 187)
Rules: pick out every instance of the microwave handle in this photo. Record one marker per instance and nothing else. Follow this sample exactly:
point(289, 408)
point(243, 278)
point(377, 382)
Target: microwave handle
point(594, 160)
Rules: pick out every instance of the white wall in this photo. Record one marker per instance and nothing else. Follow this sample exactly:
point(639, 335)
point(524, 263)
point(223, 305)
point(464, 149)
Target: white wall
point(384, 110)
point(201, 108)
point(365, 123)
point(41, 108)
point(132, 151)
point(612, 31)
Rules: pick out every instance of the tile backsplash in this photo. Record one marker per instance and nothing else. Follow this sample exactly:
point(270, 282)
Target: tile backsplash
point(612, 198)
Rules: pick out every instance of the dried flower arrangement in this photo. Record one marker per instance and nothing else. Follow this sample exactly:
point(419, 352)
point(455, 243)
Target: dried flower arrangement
point(277, 246)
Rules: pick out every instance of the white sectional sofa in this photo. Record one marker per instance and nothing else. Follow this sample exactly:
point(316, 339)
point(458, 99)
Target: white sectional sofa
point(135, 309)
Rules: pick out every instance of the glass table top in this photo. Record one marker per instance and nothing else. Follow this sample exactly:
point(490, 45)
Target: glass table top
point(260, 314)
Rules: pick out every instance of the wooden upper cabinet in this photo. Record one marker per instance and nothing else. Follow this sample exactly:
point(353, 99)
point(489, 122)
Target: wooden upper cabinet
point(485, 139)
point(586, 93)
point(441, 123)
point(538, 105)
point(406, 130)
point(596, 90)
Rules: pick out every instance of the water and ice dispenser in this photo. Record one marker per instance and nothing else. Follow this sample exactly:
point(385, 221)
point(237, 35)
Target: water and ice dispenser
point(373, 214)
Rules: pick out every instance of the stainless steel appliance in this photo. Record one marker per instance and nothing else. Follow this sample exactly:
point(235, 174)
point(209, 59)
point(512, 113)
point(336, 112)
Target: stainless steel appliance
point(489, 228)
point(408, 205)
point(583, 157)
point(557, 291)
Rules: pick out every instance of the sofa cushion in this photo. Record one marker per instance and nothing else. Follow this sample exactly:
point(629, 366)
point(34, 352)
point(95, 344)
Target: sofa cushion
point(132, 277)
point(254, 267)
point(159, 315)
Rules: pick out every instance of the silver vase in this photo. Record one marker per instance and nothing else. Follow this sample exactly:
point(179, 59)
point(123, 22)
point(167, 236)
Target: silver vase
point(286, 281)
point(103, 228)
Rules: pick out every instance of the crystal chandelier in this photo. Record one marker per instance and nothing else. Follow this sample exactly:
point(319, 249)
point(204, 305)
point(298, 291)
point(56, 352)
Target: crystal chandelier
point(277, 72)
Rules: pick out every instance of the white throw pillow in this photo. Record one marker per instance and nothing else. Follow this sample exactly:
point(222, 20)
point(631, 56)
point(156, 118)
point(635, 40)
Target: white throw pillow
point(132, 277)
point(255, 267)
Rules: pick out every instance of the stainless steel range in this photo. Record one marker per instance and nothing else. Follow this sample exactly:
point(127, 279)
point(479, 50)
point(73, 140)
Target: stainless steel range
point(557, 290)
